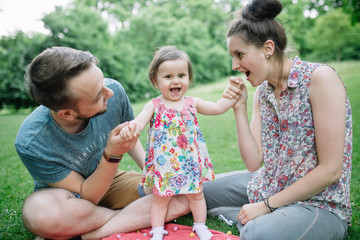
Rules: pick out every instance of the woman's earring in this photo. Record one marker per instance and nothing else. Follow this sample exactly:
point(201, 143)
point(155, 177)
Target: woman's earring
point(267, 56)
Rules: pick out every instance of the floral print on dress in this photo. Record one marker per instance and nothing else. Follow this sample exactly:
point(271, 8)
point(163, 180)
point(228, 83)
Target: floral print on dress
point(177, 159)
point(289, 145)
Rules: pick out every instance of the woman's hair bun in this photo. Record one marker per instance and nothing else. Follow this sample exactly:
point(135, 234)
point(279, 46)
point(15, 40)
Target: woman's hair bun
point(258, 10)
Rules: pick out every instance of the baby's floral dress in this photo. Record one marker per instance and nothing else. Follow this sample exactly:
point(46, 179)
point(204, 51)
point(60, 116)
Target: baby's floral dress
point(289, 144)
point(177, 159)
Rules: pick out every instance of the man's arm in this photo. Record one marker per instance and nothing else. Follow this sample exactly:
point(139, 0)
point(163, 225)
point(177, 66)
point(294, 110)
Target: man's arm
point(97, 184)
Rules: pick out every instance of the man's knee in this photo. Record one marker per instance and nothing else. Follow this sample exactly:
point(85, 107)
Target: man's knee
point(41, 211)
point(180, 205)
point(35, 212)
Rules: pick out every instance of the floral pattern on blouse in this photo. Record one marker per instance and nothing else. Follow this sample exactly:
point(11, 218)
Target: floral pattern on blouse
point(289, 145)
point(177, 159)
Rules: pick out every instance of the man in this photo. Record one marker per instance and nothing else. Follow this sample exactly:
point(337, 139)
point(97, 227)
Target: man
point(72, 148)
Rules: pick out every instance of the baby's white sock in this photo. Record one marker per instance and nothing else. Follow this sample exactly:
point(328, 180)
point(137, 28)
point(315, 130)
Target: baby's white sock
point(158, 233)
point(202, 231)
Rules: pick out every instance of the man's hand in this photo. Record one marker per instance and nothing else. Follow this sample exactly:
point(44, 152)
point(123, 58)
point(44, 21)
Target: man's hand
point(118, 145)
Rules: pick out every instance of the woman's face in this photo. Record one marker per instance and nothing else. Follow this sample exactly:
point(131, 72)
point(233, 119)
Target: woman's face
point(248, 59)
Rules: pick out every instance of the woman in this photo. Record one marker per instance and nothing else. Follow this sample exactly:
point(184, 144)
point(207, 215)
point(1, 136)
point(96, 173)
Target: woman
point(298, 145)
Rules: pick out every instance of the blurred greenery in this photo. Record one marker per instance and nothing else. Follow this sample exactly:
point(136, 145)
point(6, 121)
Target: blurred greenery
point(124, 34)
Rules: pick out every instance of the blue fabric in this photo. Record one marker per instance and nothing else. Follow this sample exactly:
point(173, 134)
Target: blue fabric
point(141, 191)
point(77, 195)
point(50, 154)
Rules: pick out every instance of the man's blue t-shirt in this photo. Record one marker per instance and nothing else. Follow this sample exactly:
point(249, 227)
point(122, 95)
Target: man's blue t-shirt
point(50, 154)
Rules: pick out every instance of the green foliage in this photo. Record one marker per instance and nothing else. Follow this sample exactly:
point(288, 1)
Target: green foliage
point(67, 28)
point(296, 25)
point(334, 38)
point(351, 7)
point(15, 53)
point(123, 35)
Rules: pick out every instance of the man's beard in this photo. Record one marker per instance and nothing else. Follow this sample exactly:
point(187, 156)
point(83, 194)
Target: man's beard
point(83, 117)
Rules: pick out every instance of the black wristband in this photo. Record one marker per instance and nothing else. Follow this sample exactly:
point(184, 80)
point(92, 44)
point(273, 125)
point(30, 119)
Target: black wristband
point(266, 201)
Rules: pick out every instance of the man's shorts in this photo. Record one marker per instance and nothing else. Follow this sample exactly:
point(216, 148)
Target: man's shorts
point(123, 190)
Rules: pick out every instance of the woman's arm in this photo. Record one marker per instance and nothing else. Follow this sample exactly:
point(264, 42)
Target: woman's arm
point(249, 135)
point(328, 99)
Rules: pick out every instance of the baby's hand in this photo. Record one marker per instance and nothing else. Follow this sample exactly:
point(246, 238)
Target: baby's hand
point(233, 91)
point(130, 131)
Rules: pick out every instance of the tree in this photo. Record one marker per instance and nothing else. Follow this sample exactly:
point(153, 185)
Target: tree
point(124, 34)
point(334, 38)
point(296, 24)
point(82, 27)
point(351, 7)
point(185, 26)
point(16, 53)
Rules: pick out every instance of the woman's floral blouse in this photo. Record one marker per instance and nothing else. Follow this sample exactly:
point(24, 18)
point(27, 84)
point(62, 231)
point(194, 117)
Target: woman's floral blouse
point(289, 144)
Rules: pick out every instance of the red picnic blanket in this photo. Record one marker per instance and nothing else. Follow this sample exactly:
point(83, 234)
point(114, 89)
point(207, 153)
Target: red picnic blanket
point(176, 232)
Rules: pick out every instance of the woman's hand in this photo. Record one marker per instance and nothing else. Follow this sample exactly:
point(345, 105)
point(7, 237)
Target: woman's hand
point(251, 211)
point(237, 90)
point(233, 91)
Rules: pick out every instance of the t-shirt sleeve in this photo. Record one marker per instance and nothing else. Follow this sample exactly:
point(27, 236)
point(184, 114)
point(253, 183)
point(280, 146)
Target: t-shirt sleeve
point(123, 103)
point(42, 171)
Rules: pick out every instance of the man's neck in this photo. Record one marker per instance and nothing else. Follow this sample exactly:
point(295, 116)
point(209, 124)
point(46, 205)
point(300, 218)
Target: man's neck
point(71, 127)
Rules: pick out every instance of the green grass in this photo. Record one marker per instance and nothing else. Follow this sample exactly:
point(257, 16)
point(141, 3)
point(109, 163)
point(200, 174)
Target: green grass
point(220, 135)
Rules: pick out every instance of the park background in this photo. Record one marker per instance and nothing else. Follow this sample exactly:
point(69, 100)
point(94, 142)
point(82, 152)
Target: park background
point(123, 36)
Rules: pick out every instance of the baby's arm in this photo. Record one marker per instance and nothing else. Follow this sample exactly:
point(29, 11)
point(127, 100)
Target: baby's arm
point(223, 104)
point(212, 108)
point(139, 123)
point(144, 117)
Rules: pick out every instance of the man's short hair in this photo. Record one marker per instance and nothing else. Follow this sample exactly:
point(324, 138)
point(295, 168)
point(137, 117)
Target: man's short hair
point(49, 73)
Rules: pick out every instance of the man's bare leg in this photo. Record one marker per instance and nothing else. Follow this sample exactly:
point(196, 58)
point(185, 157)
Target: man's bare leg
point(58, 214)
point(137, 216)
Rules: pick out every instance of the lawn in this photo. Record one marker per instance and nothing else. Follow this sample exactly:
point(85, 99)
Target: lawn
point(219, 132)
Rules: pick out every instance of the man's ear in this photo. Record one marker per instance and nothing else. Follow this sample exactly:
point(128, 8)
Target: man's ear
point(67, 114)
point(269, 48)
